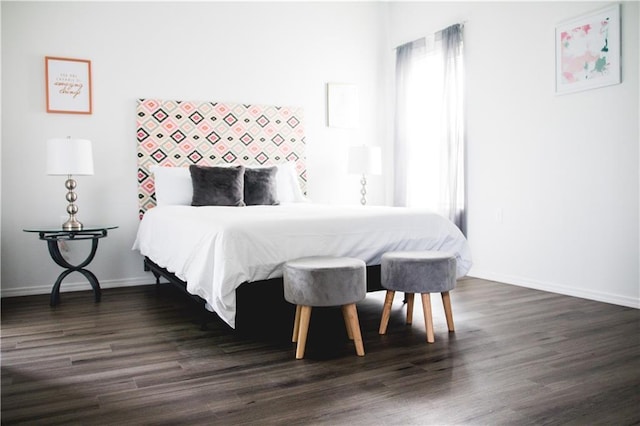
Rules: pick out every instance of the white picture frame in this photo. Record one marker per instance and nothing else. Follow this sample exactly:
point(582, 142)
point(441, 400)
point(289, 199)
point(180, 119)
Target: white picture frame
point(588, 51)
point(342, 106)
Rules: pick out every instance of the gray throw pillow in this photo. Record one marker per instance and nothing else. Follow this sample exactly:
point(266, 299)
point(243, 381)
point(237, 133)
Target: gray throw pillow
point(217, 186)
point(260, 186)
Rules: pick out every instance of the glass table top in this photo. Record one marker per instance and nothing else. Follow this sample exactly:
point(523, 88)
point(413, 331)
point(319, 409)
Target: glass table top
point(58, 228)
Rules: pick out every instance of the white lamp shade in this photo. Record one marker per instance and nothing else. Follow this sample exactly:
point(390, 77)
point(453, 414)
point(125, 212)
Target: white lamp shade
point(66, 156)
point(365, 159)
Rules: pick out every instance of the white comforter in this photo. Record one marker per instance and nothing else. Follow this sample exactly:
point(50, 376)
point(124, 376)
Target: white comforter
point(215, 249)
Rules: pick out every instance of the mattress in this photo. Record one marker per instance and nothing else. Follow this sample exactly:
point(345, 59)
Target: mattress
point(215, 249)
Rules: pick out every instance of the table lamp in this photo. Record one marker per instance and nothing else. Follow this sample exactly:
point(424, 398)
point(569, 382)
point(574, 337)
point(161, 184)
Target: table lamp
point(365, 160)
point(66, 156)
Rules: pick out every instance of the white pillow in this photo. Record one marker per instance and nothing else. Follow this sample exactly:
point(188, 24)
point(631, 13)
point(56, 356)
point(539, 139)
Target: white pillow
point(174, 187)
point(287, 184)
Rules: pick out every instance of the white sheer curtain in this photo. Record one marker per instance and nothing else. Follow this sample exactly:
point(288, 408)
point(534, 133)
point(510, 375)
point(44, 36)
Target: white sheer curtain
point(429, 157)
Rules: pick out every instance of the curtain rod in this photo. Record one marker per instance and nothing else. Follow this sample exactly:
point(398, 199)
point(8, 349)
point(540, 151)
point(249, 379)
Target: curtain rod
point(459, 23)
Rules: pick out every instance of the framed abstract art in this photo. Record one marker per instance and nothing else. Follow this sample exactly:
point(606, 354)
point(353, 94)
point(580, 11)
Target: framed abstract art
point(588, 51)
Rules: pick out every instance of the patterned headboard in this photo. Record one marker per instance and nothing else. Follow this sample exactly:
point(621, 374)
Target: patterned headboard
point(180, 133)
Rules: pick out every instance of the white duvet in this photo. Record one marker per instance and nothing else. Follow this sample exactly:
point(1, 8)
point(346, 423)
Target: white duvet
point(215, 249)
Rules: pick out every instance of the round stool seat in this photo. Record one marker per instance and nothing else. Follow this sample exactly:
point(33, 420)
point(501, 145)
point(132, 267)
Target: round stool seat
point(418, 271)
point(422, 272)
point(325, 281)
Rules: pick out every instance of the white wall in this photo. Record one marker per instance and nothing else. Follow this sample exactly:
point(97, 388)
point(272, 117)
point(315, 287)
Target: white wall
point(263, 53)
point(563, 170)
point(0, 155)
point(553, 180)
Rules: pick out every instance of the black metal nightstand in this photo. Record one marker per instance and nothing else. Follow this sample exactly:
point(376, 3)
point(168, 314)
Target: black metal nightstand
point(54, 234)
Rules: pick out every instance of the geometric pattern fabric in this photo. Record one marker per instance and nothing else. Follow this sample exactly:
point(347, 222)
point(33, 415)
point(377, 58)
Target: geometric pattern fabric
point(181, 133)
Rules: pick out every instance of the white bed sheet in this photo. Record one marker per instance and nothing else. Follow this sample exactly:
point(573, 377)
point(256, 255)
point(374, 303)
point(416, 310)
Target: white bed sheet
point(215, 249)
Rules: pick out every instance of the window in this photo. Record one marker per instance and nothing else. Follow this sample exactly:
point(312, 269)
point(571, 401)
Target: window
point(429, 127)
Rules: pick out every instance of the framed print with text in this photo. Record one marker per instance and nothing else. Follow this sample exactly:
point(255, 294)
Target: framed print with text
point(68, 85)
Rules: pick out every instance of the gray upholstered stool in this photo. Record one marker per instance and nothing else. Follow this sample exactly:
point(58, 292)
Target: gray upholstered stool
point(421, 272)
point(325, 281)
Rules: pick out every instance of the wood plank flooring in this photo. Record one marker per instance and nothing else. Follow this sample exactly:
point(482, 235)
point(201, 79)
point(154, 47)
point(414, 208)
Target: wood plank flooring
point(517, 357)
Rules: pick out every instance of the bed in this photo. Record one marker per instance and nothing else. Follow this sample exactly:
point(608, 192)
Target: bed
point(232, 237)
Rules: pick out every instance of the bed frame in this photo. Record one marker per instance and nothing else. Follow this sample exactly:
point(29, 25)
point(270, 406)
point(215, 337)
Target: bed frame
point(271, 289)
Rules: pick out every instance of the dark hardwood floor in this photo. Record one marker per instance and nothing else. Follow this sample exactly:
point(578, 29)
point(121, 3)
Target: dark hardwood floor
point(518, 357)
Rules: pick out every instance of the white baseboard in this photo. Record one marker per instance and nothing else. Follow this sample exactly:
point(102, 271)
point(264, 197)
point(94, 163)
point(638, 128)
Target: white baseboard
point(506, 279)
point(77, 286)
point(598, 296)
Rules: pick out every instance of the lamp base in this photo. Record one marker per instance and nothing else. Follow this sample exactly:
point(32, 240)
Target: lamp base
point(72, 224)
point(363, 191)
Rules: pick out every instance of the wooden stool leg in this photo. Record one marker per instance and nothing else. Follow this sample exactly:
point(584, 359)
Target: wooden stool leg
point(409, 298)
point(428, 319)
point(345, 315)
point(354, 325)
point(305, 316)
point(386, 311)
point(446, 302)
point(296, 325)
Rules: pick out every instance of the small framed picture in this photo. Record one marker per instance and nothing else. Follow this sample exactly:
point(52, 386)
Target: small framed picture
point(68, 85)
point(588, 51)
point(342, 106)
